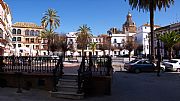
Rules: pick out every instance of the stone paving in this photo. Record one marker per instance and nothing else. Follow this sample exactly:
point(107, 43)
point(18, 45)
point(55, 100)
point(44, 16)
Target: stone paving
point(125, 87)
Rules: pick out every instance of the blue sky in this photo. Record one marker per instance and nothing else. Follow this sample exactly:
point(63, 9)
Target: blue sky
point(100, 15)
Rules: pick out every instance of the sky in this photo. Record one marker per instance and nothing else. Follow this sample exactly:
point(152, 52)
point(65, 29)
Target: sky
point(99, 15)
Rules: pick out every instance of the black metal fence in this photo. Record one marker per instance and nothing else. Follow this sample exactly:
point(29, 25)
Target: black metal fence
point(38, 64)
point(93, 66)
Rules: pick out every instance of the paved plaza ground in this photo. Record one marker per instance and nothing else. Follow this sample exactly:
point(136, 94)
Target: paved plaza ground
point(125, 87)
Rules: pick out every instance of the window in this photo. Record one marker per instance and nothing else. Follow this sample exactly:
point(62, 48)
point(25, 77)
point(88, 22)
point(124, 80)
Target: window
point(14, 39)
point(27, 46)
point(14, 45)
point(14, 31)
point(140, 62)
point(27, 32)
point(115, 41)
point(114, 52)
point(123, 41)
point(27, 40)
point(37, 33)
point(19, 45)
point(145, 27)
point(126, 29)
point(18, 31)
point(18, 38)
point(32, 33)
point(32, 40)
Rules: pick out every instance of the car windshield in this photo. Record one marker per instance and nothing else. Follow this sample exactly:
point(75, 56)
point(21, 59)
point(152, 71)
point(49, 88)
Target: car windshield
point(133, 61)
point(173, 61)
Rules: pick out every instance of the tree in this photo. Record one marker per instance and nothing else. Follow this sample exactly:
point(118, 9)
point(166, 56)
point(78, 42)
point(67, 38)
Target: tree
point(84, 37)
point(49, 35)
point(151, 6)
point(92, 46)
point(105, 44)
point(51, 18)
point(169, 40)
point(130, 45)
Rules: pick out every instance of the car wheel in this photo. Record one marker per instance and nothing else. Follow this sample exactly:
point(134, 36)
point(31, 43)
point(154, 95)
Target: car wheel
point(137, 70)
point(162, 69)
point(178, 70)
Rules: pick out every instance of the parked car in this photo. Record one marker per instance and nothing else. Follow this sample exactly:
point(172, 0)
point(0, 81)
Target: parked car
point(141, 65)
point(172, 65)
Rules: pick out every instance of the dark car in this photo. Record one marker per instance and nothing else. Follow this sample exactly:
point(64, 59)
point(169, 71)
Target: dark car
point(140, 66)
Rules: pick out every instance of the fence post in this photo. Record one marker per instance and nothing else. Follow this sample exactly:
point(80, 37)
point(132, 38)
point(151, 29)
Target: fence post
point(109, 67)
point(1, 64)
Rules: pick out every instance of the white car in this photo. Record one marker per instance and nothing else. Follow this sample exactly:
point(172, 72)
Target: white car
point(173, 65)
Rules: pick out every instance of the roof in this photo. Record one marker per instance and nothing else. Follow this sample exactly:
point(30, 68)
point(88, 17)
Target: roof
point(26, 25)
point(148, 25)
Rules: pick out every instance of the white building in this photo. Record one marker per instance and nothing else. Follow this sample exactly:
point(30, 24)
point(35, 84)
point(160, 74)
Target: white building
point(118, 38)
point(142, 38)
point(5, 29)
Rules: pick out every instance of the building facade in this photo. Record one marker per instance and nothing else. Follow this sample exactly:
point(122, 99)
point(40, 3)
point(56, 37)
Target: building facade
point(5, 29)
point(142, 38)
point(117, 40)
point(166, 29)
point(27, 41)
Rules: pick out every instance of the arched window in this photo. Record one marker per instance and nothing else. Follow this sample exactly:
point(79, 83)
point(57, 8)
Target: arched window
point(32, 32)
point(18, 31)
point(27, 32)
point(14, 31)
point(37, 33)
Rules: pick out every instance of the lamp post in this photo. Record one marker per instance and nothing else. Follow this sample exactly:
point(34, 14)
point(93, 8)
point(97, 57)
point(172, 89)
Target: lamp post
point(158, 55)
point(145, 47)
point(110, 35)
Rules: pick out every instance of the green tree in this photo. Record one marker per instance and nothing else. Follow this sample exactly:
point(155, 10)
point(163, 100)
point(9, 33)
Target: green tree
point(51, 18)
point(92, 46)
point(84, 37)
point(130, 45)
point(49, 35)
point(169, 40)
point(151, 6)
point(105, 44)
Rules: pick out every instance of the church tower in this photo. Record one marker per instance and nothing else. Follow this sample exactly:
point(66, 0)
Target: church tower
point(129, 26)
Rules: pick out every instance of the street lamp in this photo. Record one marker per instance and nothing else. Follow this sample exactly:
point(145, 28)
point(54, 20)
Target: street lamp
point(158, 55)
point(110, 35)
point(145, 47)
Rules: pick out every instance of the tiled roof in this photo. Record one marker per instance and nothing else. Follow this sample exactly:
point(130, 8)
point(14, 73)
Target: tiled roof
point(26, 25)
point(148, 25)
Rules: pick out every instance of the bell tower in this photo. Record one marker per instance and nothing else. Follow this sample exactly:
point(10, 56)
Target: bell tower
point(129, 25)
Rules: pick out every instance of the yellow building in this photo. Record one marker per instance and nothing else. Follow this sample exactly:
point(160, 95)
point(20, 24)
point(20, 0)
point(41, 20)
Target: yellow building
point(27, 41)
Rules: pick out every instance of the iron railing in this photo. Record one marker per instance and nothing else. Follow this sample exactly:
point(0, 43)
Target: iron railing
point(93, 66)
point(38, 64)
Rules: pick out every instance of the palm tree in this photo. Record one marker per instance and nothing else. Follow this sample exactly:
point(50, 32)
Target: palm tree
point(51, 18)
point(49, 35)
point(84, 37)
point(93, 46)
point(151, 6)
point(170, 39)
